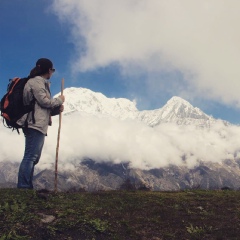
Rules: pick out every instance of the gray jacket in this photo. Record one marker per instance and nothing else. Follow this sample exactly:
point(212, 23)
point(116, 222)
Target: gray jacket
point(38, 88)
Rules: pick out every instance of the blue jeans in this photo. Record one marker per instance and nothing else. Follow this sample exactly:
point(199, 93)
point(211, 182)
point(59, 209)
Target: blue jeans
point(34, 141)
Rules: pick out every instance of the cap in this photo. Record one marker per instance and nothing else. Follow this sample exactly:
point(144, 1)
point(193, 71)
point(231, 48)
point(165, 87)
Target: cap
point(44, 64)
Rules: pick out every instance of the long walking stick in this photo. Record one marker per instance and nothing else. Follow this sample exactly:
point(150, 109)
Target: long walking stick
point(58, 139)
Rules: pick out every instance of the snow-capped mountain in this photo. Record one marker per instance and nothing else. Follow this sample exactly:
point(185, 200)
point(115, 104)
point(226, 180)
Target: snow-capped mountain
point(85, 100)
point(174, 147)
point(179, 111)
point(176, 110)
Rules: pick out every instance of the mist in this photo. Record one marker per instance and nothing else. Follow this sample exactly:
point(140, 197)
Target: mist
point(107, 139)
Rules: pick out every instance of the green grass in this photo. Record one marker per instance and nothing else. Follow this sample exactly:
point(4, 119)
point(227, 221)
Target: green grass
point(197, 214)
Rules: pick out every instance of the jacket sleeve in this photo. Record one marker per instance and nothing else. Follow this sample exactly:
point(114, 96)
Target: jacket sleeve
point(55, 111)
point(42, 95)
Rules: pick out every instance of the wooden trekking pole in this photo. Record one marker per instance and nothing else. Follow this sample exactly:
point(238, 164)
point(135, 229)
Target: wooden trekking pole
point(58, 139)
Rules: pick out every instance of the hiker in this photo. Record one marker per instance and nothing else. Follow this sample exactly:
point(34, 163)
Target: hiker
point(35, 124)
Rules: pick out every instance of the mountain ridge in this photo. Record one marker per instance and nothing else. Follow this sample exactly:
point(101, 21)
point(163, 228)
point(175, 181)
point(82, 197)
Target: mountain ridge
point(176, 110)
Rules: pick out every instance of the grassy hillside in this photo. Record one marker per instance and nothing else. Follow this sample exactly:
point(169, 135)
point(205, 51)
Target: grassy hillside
point(26, 214)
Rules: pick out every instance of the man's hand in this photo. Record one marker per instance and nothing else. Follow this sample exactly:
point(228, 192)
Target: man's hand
point(62, 97)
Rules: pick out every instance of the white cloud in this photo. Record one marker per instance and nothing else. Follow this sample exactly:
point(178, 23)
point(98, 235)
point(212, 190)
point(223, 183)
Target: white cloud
point(109, 139)
point(198, 38)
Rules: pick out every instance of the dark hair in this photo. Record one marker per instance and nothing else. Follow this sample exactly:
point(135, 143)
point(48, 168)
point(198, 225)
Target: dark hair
point(36, 71)
point(42, 66)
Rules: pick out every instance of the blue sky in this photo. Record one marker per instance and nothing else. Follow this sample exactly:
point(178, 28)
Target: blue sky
point(143, 50)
